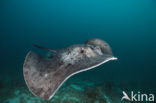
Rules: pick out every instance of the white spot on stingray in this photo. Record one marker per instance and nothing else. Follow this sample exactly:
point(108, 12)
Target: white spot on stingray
point(46, 75)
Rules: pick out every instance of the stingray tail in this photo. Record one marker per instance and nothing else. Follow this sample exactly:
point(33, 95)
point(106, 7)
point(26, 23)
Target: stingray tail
point(44, 48)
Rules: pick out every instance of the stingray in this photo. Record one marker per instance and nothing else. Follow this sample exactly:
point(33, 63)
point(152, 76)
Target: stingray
point(44, 76)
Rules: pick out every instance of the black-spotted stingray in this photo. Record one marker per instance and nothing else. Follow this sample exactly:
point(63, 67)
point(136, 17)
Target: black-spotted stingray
point(44, 76)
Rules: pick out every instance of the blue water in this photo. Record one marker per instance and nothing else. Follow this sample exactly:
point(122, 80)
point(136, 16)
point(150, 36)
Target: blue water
point(129, 26)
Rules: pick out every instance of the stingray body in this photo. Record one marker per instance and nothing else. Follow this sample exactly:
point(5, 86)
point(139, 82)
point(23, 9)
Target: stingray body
point(44, 76)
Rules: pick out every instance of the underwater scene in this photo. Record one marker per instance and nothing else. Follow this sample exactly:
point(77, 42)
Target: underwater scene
point(128, 26)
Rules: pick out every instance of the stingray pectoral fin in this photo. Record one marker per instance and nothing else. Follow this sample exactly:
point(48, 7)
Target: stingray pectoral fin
point(39, 76)
point(44, 76)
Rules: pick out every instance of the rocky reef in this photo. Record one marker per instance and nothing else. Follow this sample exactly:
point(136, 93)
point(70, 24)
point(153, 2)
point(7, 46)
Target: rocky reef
point(70, 92)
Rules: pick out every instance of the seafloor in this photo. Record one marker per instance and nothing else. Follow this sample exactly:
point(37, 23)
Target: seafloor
point(82, 91)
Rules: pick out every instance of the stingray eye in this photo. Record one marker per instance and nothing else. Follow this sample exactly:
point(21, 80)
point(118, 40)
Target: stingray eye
point(105, 45)
point(82, 51)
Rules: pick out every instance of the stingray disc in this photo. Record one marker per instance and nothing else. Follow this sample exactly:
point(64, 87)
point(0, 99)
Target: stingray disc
point(44, 76)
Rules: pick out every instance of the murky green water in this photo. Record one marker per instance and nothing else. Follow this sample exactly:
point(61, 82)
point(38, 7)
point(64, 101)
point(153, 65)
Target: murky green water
point(128, 26)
